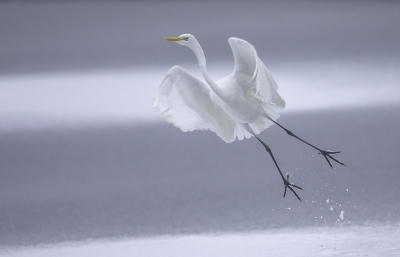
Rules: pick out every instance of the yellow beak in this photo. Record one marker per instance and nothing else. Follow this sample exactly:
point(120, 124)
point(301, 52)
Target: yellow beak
point(172, 39)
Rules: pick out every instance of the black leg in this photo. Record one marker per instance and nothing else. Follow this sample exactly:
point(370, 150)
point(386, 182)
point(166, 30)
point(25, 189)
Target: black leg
point(325, 153)
point(285, 181)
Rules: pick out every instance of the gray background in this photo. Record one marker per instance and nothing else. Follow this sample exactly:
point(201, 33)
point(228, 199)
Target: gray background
point(150, 178)
point(61, 35)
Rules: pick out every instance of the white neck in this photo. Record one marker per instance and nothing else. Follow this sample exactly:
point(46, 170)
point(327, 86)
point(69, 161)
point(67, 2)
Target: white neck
point(196, 48)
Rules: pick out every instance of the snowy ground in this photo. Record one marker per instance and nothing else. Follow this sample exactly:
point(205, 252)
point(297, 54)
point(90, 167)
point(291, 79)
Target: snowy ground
point(149, 180)
point(355, 241)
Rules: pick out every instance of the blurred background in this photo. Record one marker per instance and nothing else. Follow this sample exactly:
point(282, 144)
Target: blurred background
point(83, 154)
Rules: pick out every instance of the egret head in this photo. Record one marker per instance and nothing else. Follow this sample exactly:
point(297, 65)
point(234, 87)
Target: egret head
point(184, 39)
point(191, 42)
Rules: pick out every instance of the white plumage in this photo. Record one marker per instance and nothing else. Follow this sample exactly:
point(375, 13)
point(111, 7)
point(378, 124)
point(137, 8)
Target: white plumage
point(248, 95)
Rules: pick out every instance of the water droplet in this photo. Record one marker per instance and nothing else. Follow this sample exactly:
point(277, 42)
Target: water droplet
point(341, 214)
point(327, 201)
point(331, 208)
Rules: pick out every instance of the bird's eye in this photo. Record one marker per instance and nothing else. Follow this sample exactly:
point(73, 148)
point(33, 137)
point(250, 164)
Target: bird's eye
point(185, 38)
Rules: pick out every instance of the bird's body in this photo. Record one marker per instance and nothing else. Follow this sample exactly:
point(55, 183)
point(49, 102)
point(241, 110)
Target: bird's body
point(247, 96)
point(239, 105)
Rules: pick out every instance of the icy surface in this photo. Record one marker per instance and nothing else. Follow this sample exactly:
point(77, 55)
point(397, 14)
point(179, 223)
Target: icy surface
point(354, 241)
point(148, 180)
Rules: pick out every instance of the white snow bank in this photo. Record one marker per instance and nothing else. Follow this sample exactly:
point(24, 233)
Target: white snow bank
point(74, 99)
point(344, 241)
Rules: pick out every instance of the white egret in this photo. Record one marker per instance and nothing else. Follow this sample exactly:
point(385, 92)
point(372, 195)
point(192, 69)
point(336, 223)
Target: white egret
point(240, 105)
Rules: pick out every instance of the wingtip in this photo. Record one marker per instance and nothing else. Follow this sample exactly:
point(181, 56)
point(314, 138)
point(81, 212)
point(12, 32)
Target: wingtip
point(236, 40)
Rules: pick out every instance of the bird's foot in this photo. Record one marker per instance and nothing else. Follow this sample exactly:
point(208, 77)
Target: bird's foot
point(327, 153)
point(290, 185)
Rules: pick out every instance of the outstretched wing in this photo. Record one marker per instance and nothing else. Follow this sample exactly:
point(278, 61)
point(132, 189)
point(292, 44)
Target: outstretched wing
point(185, 101)
point(251, 72)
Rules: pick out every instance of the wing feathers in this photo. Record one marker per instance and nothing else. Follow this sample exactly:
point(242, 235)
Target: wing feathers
point(248, 65)
point(185, 101)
